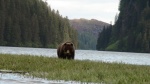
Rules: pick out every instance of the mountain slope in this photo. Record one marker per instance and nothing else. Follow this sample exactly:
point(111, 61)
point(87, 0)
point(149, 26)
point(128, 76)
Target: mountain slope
point(32, 23)
point(131, 32)
point(88, 31)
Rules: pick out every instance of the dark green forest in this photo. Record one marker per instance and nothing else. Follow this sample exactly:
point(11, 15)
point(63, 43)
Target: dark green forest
point(131, 31)
point(32, 23)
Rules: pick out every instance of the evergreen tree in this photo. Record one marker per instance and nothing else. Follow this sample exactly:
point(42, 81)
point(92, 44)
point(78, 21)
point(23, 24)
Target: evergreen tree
point(32, 23)
point(131, 31)
point(2, 21)
point(35, 32)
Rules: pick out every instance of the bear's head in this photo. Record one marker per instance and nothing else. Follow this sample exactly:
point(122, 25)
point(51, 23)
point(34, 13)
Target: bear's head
point(68, 48)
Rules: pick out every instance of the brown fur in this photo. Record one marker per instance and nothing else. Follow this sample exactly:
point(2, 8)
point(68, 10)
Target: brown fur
point(66, 50)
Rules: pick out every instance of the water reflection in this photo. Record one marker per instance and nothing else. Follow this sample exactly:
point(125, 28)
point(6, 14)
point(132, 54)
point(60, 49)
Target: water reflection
point(7, 78)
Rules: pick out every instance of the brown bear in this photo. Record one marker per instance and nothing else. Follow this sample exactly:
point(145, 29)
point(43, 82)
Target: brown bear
point(66, 50)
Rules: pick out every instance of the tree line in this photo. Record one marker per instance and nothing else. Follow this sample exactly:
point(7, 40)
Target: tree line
point(131, 31)
point(32, 23)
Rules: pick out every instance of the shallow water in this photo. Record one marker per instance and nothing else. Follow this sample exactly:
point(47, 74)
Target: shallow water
point(105, 56)
point(7, 78)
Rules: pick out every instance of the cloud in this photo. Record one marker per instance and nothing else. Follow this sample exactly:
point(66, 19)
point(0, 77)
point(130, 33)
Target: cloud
point(104, 10)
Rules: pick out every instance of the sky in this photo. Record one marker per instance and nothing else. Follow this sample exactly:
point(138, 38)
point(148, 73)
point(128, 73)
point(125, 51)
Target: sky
point(103, 10)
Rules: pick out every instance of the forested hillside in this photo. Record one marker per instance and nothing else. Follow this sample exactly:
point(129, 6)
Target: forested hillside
point(131, 31)
point(87, 32)
point(32, 23)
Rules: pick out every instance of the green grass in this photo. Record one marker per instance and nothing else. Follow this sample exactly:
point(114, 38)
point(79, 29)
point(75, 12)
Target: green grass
point(113, 47)
point(76, 70)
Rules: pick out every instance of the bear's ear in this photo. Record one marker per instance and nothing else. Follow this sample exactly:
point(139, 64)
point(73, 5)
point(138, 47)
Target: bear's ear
point(71, 44)
point(66, 44)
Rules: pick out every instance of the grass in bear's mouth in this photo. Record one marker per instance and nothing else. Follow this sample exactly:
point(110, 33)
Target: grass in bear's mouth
point(76, 70)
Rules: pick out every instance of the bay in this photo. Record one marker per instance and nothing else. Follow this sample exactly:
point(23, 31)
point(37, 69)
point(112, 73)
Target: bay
point(93, 55)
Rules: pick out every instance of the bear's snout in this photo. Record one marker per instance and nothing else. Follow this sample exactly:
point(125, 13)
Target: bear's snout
point(68, 51)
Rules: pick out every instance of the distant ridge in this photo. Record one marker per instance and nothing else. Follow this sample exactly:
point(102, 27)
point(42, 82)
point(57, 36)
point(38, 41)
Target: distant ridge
point(88, 31)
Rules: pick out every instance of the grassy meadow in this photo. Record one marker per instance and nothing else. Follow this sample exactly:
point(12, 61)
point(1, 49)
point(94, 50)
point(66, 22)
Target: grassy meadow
point(76, 70)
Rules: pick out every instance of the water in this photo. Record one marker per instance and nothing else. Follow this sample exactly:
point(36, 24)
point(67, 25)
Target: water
point(120, 57)
point(6, 78)
point(105, 56)
point(123, 57)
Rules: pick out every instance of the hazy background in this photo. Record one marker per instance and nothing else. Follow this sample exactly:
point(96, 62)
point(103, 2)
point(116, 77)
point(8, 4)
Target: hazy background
point(103, 10)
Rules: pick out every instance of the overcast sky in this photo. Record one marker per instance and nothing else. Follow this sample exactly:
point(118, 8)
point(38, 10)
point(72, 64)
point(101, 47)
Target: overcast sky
point(103, 10)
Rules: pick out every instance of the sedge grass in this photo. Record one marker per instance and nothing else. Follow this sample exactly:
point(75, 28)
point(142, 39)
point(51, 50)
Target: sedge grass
point(76, 70)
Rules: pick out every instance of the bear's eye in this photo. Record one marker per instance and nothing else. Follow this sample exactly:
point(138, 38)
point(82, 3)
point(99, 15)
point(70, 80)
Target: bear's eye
point(71, 44)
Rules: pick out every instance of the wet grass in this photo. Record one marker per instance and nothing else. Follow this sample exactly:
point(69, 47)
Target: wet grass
point(76, 70)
